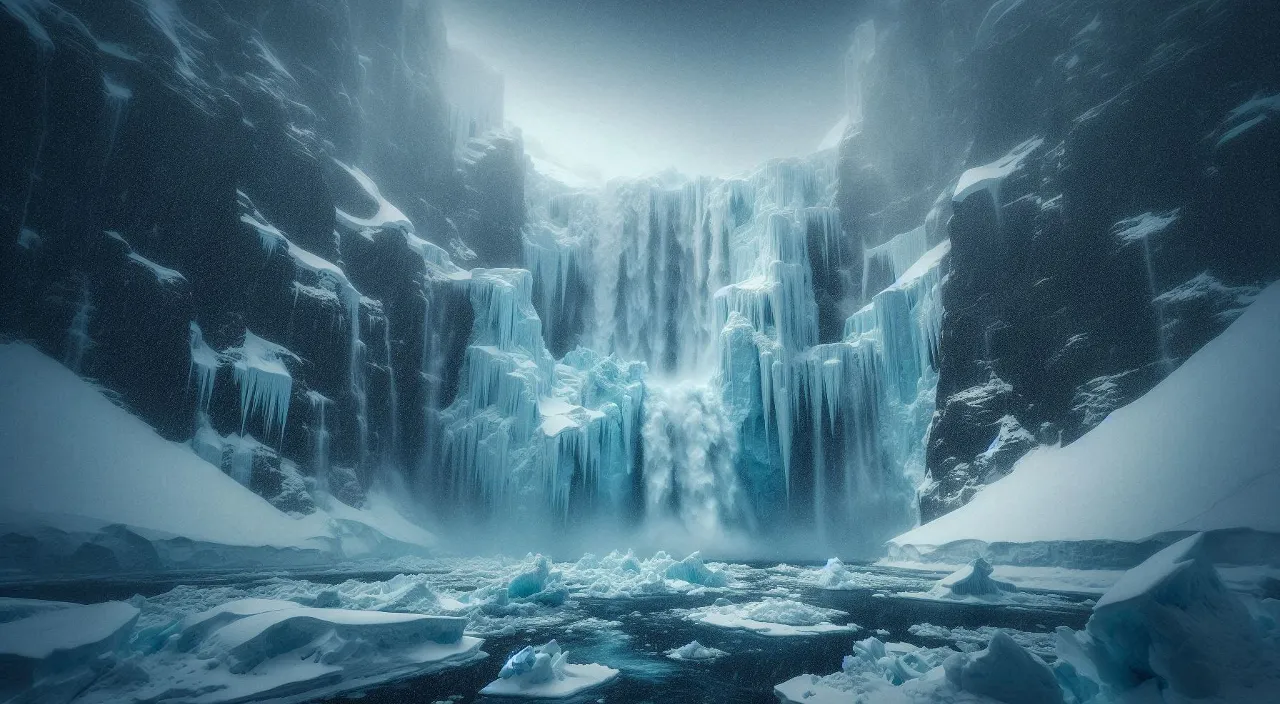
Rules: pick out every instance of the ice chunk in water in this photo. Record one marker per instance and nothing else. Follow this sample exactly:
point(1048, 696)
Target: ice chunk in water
point(974, 579)
point(543, 672)
point(1005, 672)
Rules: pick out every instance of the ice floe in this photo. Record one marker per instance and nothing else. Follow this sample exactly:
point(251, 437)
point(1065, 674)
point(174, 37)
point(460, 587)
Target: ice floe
point(771, 616)
point(240, 650)
point(695, 652)
point(543, 672)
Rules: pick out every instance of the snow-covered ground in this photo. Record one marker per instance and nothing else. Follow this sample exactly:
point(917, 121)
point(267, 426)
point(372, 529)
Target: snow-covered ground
point(1198, 452)
point(72, 461)
point(1167, 631)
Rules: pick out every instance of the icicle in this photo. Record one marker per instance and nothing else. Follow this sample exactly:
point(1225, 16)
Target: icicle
point(265, 382)
point(320, 453)
point(78, 340)
point(117, 98)
point(204, 367)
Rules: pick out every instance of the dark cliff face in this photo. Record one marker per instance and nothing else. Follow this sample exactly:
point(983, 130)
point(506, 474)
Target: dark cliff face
point(171, 172)
point(1133, 231)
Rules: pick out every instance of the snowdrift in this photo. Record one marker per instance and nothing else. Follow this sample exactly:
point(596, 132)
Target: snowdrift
point(93, 488)
point(242, 650)
point(1199, 452)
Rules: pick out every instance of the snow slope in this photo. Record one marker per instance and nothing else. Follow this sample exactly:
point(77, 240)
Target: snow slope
point(1200, 451)
point(70, 459)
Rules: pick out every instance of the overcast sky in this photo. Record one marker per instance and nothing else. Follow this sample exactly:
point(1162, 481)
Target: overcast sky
point(635, 86)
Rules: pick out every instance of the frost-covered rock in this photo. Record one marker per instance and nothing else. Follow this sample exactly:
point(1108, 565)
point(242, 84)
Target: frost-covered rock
point(543, 672)
point(696, 652)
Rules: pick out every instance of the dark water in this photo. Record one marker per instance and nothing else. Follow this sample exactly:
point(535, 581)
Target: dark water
point(748, 674)
point(646, 627)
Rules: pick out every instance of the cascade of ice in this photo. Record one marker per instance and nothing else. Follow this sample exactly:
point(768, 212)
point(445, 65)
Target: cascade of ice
point(897, 254)
point(204, 367)
point(78, 340)
point(1140, 229)
point(475, 95)
point(393, 400)
point(320, 453)
point(330, 279)
point(355, 370)
point(689, 461)
point(117, 102)
point(698, 279)
point(264, 381)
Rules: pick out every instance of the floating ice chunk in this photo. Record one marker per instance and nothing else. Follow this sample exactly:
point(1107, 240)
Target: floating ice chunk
point(1004, 672)
point(970, 639)
point(972, 580)
point(876, 672)
point(695, 652)
point(51, 656)
point(543, 672)
point(772, 616)
point(691, 569)
point(538, 584)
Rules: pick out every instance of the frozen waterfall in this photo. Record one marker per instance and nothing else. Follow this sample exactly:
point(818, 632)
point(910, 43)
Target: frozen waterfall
point(700, 393)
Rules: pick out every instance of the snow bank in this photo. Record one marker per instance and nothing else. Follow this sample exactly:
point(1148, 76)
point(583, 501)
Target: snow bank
point(771, 616)
point(695, 652)
point(543, 672)
point(71, 460)
point(67, 452)
point(1195, 453)
point(51, 656)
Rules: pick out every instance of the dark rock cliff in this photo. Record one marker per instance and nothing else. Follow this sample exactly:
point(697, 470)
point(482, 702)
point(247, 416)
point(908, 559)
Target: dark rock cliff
point(188, 180)
point(1140, 217)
